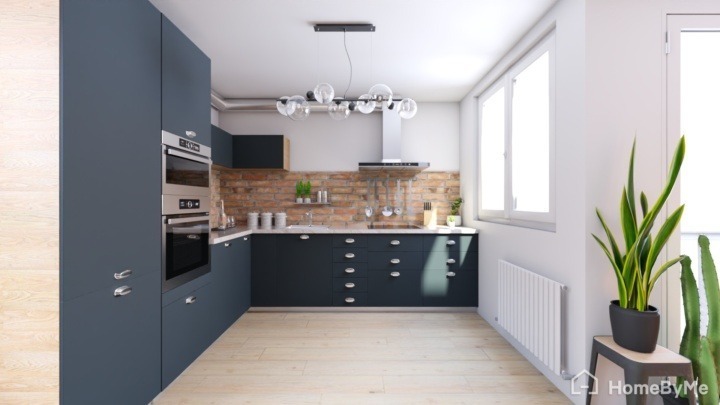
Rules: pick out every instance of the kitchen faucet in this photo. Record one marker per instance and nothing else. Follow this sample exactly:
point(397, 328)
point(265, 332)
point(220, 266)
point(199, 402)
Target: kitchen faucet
point(309, 217)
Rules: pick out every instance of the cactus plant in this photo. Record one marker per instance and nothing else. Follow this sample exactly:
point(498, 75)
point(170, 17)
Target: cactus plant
point(702, 351)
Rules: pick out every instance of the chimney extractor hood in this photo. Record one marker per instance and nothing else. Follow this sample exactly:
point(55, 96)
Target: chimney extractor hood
point(391, 140)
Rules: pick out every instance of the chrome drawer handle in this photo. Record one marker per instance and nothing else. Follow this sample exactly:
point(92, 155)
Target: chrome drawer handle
point(245, 238)
point(450, 274)
point(450, 261)
point(190, 300)
point(349, 255)
point(122, 291)
point(349, 240)
point(190, 134)
point(304, 237)
point(349, 300)
point(450, 243)
point(349, 270)
point(395, 274)
point(228, 244)
point(349, 285)
point(123, 274)
point(395, 242)
point(193, 237)
point(395, 261)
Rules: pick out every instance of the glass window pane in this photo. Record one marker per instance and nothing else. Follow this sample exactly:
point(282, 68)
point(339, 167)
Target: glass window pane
point(492, 152)
point(531, 137)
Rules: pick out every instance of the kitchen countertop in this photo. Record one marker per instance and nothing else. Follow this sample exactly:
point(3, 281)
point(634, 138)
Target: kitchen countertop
point(224, 236)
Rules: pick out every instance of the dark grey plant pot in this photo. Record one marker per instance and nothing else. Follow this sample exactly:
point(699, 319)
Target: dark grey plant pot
point(635, 330)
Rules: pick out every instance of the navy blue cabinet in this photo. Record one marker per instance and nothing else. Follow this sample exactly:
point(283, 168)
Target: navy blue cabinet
point(263, 279)
point(231, 281)
point(110, 107)
point(261, 152)
point(304, 272)
point(185, 86)
point(222, 147)
point(450, 270)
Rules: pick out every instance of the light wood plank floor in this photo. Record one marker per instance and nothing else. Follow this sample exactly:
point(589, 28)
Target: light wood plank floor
point(360, 358)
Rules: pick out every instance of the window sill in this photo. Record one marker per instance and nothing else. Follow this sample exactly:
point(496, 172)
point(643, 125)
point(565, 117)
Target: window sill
point(521, 223)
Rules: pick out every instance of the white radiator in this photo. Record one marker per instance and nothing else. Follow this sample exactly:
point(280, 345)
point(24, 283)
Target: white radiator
point(531, 308)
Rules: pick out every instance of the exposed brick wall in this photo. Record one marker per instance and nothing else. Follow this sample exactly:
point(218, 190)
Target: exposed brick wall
point(274, 191)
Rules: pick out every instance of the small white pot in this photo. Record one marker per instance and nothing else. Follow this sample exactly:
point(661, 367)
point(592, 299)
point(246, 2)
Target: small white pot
point(299, 200)
point(456, 222)
point(307, 200)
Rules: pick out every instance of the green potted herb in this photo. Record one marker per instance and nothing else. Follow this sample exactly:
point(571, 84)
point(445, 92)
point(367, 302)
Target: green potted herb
point(635, 323)
point(454, 219)
point(307, 192)
point(299, 188)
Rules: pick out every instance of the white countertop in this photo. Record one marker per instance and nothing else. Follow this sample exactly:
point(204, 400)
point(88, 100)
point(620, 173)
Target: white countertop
point(224, 236)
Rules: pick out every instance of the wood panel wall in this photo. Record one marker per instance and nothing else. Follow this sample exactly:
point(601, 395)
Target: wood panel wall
point(29, 201)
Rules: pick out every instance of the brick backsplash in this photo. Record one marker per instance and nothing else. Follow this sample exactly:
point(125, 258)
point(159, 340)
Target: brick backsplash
point(274, 191)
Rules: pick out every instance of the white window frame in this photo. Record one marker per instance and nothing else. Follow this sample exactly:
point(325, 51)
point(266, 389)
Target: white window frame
point(536, 220)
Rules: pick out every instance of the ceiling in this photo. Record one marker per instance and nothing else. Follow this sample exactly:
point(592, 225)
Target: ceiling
point(429, 50)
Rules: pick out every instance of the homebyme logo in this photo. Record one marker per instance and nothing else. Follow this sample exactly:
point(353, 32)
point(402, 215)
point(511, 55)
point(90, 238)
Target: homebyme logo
point(585, 380)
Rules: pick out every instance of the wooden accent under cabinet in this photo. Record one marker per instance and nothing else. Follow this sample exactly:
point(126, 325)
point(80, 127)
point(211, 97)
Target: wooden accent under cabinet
point(261, 152)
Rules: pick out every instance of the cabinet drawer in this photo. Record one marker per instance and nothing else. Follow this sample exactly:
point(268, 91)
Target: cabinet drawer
point(450, 243)
point(350, 240)
point(349, 255)
point(395, 243)
point(350, 270)
point(442, 288)
point(395, 260)
point(187, 330)
point(349, 284)
point(394, 288)
point(350, 299)
point(450, 260)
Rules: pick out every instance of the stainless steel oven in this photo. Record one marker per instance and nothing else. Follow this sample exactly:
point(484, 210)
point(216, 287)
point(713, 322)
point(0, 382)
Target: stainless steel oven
point(185, 167)
point(185, 245)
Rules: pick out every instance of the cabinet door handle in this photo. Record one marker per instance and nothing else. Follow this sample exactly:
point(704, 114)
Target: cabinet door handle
point(228, 244)
point(395, 261)
point(349, 270)
point(190, 134)
point(304, 237)
point(395, 274)
point(349, 255)
point(245, 238)
point(349, 240)
point(450, 261)
point(193, 237)
point(395, 242)
point(349, 285)
point(450, 243)
point(349, 300)
point(123, 274)
point(190, 300)
point(122, 291)
point(450, 274)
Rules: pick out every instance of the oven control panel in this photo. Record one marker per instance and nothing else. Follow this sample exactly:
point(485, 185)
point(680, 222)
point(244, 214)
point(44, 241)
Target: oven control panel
point(189, 145)
point(187, 204)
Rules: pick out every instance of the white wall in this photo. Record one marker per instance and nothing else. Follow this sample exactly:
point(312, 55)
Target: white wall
point(322, 144)
point(559, 255)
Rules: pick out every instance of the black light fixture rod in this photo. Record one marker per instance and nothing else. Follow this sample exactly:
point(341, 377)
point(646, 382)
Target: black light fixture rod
point(344, 28)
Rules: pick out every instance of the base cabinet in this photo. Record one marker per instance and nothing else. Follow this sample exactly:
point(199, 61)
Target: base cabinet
point(231, 281)
point(397, 288)
point(304, 273)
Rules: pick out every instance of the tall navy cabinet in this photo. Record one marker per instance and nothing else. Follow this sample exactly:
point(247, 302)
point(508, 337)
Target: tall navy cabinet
point(185, 86)
point(110, 201)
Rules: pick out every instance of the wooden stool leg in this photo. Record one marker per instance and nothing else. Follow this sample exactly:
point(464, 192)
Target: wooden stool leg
point(593, 366)
point(634, 378)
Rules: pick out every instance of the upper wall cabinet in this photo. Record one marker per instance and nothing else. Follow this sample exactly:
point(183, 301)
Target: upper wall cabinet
point(261, 152)
point(222, 147)
point(185, 86)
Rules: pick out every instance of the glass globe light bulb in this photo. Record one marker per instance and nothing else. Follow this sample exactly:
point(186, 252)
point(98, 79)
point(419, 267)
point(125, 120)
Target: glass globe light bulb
point(380, 92)
point(339, 111)
point(407, 108)
point(324, 93)
point(366, 104)
point(297, 108)
point(281, 106)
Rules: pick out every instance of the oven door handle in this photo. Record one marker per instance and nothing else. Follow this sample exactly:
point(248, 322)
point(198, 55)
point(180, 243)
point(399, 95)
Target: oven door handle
point(188, 156)
point(172, 221)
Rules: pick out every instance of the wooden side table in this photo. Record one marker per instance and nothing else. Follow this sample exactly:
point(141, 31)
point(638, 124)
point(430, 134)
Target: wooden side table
point(639, 367)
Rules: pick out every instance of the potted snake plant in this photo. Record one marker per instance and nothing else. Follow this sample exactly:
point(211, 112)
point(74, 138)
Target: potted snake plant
point(635, 323)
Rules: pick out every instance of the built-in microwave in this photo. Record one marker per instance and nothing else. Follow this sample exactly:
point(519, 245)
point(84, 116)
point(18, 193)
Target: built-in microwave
point(185, 167)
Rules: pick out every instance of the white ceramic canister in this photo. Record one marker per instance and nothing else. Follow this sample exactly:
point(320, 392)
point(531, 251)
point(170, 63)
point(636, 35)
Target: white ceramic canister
point(266, 220)
point(280, 220)
point(252, 220)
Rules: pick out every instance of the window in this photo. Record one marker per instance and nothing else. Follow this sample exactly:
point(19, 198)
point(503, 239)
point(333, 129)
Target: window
point(516, 140)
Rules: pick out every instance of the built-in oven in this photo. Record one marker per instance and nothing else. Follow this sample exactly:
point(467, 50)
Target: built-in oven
point(185, 167)
point(185, 245)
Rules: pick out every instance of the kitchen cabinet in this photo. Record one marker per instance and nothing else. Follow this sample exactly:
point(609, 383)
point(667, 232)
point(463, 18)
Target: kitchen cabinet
point(350, 257)
point(304, 270)
point(222, 147)
point(396, 288)
point(263, 278)
point(110, 202)
point(394, 270)
point(450, 270)
point(231, 281)
point(261, 152)
point(185, 86)
point(188, 328)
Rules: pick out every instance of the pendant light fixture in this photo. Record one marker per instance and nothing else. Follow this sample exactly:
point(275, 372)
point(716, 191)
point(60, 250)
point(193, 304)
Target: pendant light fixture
point(339, 108)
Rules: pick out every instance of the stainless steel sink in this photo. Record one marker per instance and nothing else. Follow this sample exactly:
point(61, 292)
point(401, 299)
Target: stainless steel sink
point(389, 225)
point(308, 227)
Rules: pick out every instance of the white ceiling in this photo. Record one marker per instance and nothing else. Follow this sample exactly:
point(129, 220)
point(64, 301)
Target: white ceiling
point(429, 50)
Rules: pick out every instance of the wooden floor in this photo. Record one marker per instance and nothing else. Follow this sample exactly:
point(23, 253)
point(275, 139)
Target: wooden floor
point(360, 358)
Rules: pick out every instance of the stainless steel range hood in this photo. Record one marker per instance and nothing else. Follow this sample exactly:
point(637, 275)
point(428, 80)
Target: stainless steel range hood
point(391, 147)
